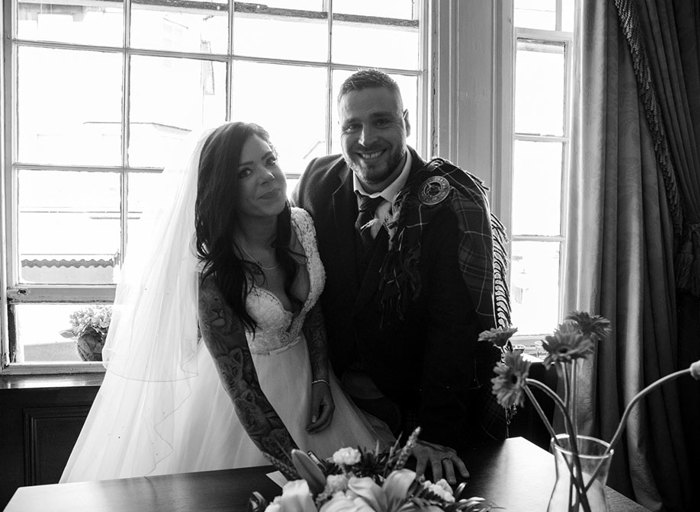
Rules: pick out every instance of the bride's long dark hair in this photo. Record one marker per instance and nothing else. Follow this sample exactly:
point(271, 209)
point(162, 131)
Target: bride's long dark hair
point(215, 218)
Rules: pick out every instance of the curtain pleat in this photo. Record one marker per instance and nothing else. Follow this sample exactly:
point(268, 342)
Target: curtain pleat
point(622, 252)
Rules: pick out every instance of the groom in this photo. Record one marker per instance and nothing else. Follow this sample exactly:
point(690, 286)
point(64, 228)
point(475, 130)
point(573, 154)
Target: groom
point(408, 253)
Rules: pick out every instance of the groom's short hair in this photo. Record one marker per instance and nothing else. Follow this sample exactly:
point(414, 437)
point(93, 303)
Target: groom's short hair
point(367, 78)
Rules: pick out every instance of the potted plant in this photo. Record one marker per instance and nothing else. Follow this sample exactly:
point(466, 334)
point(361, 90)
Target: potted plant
point(89, 329)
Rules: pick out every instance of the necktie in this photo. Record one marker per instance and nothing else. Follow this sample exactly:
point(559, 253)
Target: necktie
point(368, 206)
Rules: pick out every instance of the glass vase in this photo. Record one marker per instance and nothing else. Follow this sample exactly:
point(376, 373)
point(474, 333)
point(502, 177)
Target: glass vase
point(573, 490)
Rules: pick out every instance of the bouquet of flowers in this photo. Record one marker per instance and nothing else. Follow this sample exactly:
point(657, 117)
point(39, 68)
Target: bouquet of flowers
point(89, 328)
point(572, 341)
point(89, 320)
point(361, 480)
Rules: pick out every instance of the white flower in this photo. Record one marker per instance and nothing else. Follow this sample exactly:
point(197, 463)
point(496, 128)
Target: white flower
point(335, 483)
point(396, 487)
point(344, 503)
point(367, 490)
point(441, 488)
point(296, 497)
point(346, 456)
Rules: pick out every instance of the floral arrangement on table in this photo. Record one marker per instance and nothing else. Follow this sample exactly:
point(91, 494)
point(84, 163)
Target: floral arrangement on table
point(581, 487)
point(360, 480)
point(89, 327)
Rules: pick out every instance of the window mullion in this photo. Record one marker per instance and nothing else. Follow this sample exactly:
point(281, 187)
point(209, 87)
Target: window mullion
point(330, 103)
point(125, 131)
point(6, 15)
point(230, 61)
point(559, 13)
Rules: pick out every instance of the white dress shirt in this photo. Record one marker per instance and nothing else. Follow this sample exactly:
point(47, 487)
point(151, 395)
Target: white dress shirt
point(384, 210)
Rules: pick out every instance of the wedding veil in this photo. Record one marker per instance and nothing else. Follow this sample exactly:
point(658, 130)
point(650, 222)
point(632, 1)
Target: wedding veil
point(151, 348)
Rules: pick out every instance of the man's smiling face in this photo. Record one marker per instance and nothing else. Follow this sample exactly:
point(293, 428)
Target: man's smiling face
point(373, 131)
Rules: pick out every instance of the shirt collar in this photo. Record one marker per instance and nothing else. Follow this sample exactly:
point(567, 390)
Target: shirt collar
point(389, 193)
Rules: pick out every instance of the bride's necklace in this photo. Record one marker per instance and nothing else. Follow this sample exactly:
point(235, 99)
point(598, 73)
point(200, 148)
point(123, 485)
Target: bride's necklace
point(256, 261)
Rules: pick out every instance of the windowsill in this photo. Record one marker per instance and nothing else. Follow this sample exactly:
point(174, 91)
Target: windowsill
point(44, 381)
point(52, 368)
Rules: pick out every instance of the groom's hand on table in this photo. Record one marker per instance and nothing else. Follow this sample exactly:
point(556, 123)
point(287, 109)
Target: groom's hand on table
point(322, 407)
point(443, 461)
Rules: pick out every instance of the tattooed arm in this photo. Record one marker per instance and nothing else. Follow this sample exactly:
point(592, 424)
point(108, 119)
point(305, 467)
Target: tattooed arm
point(224, 336)
point(322, 405)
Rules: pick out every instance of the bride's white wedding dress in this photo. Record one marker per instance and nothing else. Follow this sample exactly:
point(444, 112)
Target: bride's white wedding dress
point(204, 428)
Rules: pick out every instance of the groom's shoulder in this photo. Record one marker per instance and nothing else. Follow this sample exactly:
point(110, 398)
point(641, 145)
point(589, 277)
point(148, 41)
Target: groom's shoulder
point(324, 167)
point(321, 175)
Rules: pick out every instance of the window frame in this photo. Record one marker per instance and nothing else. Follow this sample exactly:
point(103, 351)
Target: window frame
point(13, 292)
point(474, 102)
point(557, 36)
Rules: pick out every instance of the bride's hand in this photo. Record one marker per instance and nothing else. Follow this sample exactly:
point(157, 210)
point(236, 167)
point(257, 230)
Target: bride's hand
point(322, 407)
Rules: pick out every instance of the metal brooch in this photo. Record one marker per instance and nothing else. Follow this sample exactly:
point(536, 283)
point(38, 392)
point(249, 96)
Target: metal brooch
point(434, 190)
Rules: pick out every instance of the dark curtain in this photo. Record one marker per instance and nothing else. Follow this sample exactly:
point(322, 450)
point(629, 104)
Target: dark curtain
point(634, 256)
point(668, 35)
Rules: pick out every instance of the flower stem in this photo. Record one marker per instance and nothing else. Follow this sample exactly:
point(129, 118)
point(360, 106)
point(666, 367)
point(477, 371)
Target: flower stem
point(636, 399)
point(540, 412)
point(628, 410)
point(573, 409)
point(556, 398)
point(578, 476)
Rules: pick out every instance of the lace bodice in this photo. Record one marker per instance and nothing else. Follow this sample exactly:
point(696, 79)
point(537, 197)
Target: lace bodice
point(277, 327)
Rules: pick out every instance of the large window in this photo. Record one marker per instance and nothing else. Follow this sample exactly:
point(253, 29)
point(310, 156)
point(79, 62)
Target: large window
point(540, 158)
point(98, 94)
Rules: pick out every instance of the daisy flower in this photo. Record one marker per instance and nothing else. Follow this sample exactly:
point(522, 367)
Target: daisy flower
point(510, 380)
point(566, 344)
point(592, 326)
point(499, 336)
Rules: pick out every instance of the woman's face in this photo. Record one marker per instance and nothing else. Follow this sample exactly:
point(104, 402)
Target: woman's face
point(262, 187)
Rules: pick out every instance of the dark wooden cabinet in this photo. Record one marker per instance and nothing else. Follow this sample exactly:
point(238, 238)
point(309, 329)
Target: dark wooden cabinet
point(40, 419)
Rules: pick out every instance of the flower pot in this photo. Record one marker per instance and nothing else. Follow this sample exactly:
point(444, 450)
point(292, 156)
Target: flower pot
point(575, 473)
point(89, 347)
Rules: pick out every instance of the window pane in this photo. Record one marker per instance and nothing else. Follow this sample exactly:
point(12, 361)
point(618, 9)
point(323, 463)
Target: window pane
point(534, 286)
point(98, 22)
point(409, 92)
point(539, 88)
point(143, 189)
point(289, 102)
point(77, 119)
point(378, 45)
point(540, 14)
point(39, 342)
point(403, 9)
point(71, 237)
point(178, 26)
point(537, 172)
point(170, 98)
point(285, 35)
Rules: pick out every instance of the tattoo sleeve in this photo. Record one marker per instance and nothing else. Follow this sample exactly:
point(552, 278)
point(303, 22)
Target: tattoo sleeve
point(224, 336)
point(315, 334)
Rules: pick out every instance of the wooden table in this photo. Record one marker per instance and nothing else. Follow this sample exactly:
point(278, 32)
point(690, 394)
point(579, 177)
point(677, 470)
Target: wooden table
point(515, 475)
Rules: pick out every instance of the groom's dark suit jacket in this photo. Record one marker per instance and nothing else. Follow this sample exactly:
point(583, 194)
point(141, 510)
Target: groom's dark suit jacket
point(423, 363)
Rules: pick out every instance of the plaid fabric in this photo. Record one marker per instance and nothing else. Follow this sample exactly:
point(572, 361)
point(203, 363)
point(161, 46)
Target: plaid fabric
point(482, 244)
point(482, 261)
point(494, 422)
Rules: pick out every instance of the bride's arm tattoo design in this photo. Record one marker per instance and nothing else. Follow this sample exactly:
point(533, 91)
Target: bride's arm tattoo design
point(225, 338)
point(315, 334)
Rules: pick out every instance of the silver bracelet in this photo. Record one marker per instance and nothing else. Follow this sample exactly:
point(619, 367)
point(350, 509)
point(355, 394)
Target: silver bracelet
point(317, 381)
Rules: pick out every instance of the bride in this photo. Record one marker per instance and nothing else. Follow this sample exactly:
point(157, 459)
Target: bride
point(216, 354)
